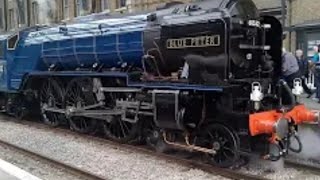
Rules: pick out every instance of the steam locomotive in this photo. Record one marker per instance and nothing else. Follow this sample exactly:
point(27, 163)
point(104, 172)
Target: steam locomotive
point(202, 77)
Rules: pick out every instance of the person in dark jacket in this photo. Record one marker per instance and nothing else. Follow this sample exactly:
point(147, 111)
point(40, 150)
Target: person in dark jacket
point(303, 70)
point(290, 68)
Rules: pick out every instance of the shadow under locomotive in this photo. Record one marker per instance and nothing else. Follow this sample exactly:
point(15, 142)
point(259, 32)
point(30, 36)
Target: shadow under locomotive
point(201, 77)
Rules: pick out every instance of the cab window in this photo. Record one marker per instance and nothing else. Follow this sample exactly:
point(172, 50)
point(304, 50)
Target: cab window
point(244, 9)
point(1, 49)
point(12, 42)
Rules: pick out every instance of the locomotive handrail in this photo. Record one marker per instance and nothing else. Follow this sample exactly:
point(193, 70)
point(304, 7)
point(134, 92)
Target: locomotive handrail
point(56, 35)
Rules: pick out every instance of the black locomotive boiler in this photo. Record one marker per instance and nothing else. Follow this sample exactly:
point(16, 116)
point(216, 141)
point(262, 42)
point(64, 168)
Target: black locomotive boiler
point(201, 77)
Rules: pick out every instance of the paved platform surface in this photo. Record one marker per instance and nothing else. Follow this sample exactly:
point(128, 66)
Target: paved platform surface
point(11, 172)
point(310, 103)
point(5, 176)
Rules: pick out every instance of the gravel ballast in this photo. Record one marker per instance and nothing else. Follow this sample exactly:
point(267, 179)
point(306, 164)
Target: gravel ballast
point(99, 158)
point(277, 171)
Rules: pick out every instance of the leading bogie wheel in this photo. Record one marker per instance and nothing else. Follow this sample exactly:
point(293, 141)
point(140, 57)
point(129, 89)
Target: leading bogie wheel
point(51, 96)
point(79, 93)
point(221, 139)
point(119, 130)
point(153, 136)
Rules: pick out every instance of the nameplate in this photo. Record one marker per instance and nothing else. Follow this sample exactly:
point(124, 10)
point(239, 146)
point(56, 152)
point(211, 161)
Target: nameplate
point(194, 42)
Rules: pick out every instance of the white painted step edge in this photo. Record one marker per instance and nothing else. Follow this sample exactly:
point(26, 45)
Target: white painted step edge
point(16, 172)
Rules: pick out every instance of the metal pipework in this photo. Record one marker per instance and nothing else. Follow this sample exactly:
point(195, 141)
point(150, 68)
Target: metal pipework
point(188, 146)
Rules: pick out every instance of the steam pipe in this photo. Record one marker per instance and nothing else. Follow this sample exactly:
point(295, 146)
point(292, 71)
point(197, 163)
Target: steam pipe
point(287, 91)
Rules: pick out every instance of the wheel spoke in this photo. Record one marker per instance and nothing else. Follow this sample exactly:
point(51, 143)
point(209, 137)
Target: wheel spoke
point(54, 117)
point(216, 135)
point(122, 129)
point(85, 123)
point(228, 149)
point(116, 130)
point(125, 124)
point(209, 133)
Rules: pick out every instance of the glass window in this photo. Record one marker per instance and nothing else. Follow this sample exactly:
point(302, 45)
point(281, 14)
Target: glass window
point(82, 7)
point(35, 13)
point(65, 9)
point(11, 20)
point(1, 49)
point(104, 4)
point(12, 42)
point(121, 3)
point(50, 12)
point(245, 9)
point(78, 7)
point(1, 19)
point(21, 12)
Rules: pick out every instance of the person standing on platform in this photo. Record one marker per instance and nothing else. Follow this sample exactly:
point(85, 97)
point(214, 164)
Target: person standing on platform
point(304, 71)
point(315, 57)
point(290, 68)
point(316, 67)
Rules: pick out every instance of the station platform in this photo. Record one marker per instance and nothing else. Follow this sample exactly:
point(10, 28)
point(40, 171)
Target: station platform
point(5, 175)
point(310, 103)
point(9, 171)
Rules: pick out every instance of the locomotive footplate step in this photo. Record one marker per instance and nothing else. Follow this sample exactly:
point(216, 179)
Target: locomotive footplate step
point(11, 172)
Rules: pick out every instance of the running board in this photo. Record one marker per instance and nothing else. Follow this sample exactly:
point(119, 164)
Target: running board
point(120, 89)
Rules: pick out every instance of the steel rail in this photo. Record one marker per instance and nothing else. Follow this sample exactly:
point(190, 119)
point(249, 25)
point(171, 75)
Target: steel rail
point(70, 168)
point(307, 167)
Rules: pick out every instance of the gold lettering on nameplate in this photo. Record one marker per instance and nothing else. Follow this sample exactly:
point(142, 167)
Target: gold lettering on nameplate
point(193, 42)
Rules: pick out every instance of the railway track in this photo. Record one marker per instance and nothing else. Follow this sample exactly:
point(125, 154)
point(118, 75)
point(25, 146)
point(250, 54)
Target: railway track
point(70, 168)
point(232, 174)
point(301, 166)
